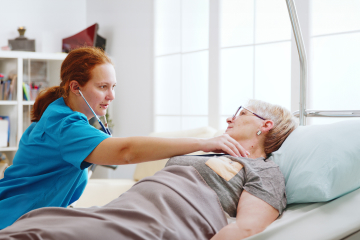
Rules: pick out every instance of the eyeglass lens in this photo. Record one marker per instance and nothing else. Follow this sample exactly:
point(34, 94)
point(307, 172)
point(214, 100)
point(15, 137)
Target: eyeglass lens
point(237, 112)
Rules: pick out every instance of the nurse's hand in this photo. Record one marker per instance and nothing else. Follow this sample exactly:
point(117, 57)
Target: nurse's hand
point(224, 144)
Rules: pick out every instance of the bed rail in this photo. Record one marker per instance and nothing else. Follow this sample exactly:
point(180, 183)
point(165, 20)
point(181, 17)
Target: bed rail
point(302, 57)
point(329, 113)
point(303, 113)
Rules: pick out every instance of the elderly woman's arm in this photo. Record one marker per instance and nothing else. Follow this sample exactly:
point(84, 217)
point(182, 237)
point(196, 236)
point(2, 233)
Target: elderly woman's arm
point(253, 216)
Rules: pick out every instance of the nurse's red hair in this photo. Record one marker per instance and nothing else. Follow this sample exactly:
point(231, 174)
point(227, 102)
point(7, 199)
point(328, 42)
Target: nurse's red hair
point(77, 66)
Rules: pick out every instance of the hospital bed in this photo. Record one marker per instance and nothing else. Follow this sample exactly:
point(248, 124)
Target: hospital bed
point(336, 219)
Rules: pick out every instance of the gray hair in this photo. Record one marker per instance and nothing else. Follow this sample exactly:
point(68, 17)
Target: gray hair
point(284, 123)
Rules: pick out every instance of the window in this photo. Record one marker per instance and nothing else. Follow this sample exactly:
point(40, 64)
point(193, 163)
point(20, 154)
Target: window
point(181, 64)
point(335, 72)
point(254, 58)
point(255, 54)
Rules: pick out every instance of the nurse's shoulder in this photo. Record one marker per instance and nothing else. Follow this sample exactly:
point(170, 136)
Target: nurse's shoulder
point(57, 115)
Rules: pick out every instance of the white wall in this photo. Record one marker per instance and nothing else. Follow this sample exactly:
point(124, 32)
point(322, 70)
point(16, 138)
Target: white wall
point(48, 22)
point(128, 28)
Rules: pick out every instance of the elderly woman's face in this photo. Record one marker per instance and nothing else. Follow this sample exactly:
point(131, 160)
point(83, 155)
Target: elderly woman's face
point(244, 126)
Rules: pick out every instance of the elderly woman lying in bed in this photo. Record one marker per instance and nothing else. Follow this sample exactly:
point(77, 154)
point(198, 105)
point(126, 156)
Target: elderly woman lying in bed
point(191, 197)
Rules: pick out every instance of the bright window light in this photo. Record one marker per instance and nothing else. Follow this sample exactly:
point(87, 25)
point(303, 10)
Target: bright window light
point(168, 85)
point(335, 72)
point(194, 122)
point(333, 16)
point(271, 21)
point(167, 123)
point(236, 78)
point(195, 25)
point(273, 73)
point(195, 77)
point(237, 22)
point(167, 27)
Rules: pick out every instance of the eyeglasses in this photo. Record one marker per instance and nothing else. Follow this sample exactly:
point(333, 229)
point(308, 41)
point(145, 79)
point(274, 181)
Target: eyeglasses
point(239, 110)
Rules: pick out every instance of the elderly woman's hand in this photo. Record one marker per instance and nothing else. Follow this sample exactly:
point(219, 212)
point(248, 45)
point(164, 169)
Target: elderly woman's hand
point(224, 144)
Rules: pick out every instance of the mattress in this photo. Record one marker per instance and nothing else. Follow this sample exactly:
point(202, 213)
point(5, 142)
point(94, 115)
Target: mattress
point(336, 219)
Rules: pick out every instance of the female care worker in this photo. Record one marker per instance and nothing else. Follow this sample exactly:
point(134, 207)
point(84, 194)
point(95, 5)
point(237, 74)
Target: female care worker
point(50, 167)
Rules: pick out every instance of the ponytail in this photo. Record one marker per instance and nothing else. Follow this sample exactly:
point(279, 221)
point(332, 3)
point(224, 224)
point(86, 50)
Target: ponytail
point(43, 100)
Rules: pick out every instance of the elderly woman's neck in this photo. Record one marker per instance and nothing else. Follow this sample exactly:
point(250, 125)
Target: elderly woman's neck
point(254, 147)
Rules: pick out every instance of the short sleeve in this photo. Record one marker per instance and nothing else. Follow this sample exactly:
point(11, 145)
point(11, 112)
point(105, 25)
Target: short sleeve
point(268, 184)
point(77, 139)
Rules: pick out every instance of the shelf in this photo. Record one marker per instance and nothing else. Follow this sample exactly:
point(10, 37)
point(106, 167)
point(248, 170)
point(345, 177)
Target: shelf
point(6, 102)
point(32, 55)
point(14, 103)
point(47, 65)
point(28, 102)
point(8, 149)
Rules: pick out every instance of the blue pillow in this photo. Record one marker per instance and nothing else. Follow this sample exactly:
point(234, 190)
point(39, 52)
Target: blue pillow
point(320, 162)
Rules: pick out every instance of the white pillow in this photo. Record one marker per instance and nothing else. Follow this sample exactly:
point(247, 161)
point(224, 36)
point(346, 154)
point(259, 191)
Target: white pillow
point(320, 162)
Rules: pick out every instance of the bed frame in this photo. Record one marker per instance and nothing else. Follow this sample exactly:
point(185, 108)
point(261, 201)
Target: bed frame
point(303, 112)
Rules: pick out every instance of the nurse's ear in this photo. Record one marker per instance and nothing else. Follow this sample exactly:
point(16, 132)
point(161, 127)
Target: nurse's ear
point(74, 87)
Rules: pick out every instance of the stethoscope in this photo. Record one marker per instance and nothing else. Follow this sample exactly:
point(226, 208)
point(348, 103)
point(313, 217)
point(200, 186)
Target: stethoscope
point(107, 131)
point(105, 128)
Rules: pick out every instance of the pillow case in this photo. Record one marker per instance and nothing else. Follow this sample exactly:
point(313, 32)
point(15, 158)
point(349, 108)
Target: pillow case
point(320, 162)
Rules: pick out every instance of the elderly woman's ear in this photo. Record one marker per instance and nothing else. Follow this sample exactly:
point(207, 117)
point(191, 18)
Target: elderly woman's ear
point(267, 126)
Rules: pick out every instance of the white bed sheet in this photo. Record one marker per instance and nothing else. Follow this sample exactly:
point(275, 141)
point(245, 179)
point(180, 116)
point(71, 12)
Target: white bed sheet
point(336, 219)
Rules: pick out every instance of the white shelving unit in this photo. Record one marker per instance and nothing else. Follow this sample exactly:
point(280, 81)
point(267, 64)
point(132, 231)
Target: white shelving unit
point(15, 61)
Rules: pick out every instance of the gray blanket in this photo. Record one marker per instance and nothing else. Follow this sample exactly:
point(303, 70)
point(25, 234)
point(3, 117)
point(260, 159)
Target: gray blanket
point(175, 203)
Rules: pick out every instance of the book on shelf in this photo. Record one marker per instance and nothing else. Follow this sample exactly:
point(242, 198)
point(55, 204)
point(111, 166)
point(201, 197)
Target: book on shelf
point(8, 87)
point(1, 86)
point(13, 88)
point(26, 91)
point(4, 131)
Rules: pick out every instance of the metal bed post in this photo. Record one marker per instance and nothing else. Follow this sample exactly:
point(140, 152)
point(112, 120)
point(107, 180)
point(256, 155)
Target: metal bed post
point(302, 56)
point(303, 113)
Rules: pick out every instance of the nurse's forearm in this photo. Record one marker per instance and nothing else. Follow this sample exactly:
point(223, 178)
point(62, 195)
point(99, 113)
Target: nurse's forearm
point(142, 149)
point(117, 151)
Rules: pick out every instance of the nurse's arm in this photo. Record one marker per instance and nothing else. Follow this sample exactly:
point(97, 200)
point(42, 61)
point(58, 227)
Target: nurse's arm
point(253, 216)
point(117, 151)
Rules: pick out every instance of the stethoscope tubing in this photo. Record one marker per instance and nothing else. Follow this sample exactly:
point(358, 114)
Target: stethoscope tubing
point(106, 130)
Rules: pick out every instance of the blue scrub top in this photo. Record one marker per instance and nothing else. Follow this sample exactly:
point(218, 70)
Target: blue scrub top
point(48, 169)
